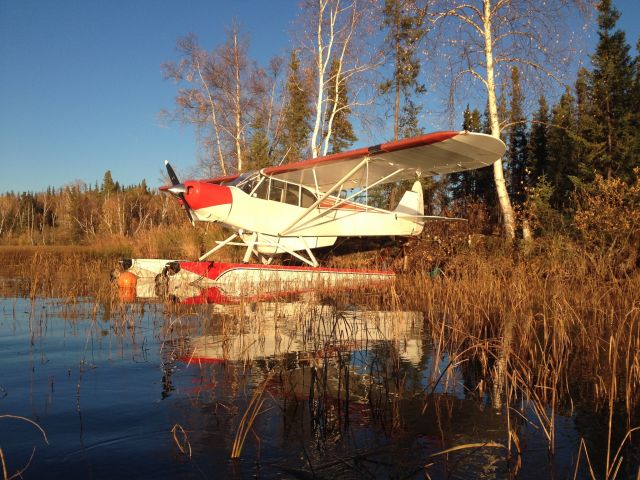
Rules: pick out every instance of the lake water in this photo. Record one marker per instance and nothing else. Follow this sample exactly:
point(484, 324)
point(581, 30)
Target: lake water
point(150, 390)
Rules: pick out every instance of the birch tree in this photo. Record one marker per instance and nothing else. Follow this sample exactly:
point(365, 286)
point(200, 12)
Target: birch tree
point(481, 40)
point(195, 101)
point(222, 92)
point(232, 79)
point(338, 57)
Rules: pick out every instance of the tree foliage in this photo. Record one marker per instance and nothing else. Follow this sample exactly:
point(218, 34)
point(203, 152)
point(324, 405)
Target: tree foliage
point(296, 113)
point(610, 87)
point(404, 22)
point(517, 135)
point(342, 136)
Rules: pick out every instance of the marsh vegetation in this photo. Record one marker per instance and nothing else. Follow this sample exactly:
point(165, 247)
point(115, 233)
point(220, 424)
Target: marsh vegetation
point(499, 362)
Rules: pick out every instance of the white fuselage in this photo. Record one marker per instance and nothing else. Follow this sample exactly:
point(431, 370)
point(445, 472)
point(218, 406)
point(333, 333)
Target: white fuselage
point(269, 223)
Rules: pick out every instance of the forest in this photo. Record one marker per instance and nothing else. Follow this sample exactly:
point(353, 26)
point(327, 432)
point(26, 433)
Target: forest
point(573, 137)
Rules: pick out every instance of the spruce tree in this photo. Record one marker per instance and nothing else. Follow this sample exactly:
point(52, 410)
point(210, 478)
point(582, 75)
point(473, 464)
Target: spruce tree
point(636, 109)
point(297, 113)
point(463, 184)
point(587, 150)
point(484, 181)
point(404, 21)
point(409, 123)
point(562, 149)
point(474, 186)
point(538, 152)
point(108, 185)
point(517, 141)
point(611, 89)
point(259, 155)
point(342, 136)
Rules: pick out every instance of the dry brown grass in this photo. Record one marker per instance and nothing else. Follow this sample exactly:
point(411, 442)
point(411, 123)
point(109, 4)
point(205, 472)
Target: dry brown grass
point(547, 327)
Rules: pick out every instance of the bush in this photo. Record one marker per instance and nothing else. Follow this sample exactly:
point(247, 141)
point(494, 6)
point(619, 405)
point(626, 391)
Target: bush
point(608, 220)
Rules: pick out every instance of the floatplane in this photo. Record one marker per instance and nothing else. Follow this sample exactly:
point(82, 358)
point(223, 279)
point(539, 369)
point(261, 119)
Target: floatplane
point(297, 208)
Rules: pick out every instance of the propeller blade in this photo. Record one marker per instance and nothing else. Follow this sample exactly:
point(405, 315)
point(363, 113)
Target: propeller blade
point(179, 190)
point(188, 211)
point(172, 174)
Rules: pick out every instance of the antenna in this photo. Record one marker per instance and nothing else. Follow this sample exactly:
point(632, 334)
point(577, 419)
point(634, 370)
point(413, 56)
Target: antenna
point(284, 156)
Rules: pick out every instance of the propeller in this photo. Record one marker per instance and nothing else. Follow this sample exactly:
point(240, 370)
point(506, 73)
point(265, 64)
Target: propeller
point(178, 189)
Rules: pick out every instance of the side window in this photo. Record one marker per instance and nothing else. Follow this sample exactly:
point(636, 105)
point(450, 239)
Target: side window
point(307, 198)
point(291, 194)
point(263, 190)
point(275, 192)
point(247, 186)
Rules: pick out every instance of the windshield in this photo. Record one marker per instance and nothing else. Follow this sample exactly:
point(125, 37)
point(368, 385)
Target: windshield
point(244, 177)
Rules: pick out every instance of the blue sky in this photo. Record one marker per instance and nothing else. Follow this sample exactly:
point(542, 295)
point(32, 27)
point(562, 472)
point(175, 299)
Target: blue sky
point(81, 83)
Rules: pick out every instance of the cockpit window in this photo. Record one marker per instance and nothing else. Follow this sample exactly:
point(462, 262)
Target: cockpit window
point(306, 198)
point(245, 182)
point(262, 189)
point(276, 190)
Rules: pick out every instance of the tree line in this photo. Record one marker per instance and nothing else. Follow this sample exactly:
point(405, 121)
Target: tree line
point(332, 83)
point(81, 213)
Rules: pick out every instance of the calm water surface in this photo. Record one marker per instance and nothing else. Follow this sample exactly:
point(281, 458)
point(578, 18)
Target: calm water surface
point(154, 391)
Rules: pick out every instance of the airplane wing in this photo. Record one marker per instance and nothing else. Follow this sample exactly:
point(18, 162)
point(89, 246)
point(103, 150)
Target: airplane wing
point(432, 154)
point(215, 181)
point(224, 179)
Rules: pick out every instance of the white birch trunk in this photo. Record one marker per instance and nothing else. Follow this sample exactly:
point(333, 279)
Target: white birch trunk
point(214, 121)
point(322, 60)
point(498, 173)
point(320, 94)
point(237, 103)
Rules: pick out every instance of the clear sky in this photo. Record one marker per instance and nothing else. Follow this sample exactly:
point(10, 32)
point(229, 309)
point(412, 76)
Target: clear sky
point(81, 83)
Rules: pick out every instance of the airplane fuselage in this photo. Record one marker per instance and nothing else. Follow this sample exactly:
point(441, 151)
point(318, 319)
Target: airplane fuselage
point(272, 224)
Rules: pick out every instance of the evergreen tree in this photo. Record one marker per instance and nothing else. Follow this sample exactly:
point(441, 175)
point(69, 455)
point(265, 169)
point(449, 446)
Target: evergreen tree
point(463, 184)
point(404, 21)
point(472, 120)
point(259, 155)
point(517, 144)
point(587, 151)
point(486, 121)
point(108, 185)
point(636, 108)
point(611, 90)
point(297, 112)
point(538, 151)
point(342, 136)
point(409, 124)
point(562, 149)
point(474, 185)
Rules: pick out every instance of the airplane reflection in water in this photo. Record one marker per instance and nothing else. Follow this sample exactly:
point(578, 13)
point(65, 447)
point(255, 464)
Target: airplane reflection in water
point(327, 370)
point(301, 327)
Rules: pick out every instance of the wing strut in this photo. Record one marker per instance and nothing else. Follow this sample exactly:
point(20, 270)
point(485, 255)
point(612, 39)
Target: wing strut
point(309, 261)
point(345, 200)
point(326, 195)
point(219, 245)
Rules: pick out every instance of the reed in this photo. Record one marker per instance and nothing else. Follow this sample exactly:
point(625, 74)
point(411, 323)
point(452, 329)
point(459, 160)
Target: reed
point(183, 443)
point(553, 327)
point(254, 408)
point(535, 331)
point(19, 472)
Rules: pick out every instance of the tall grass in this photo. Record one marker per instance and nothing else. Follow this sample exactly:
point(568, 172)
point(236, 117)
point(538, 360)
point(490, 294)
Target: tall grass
point(534, 331)
point(548, 329)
